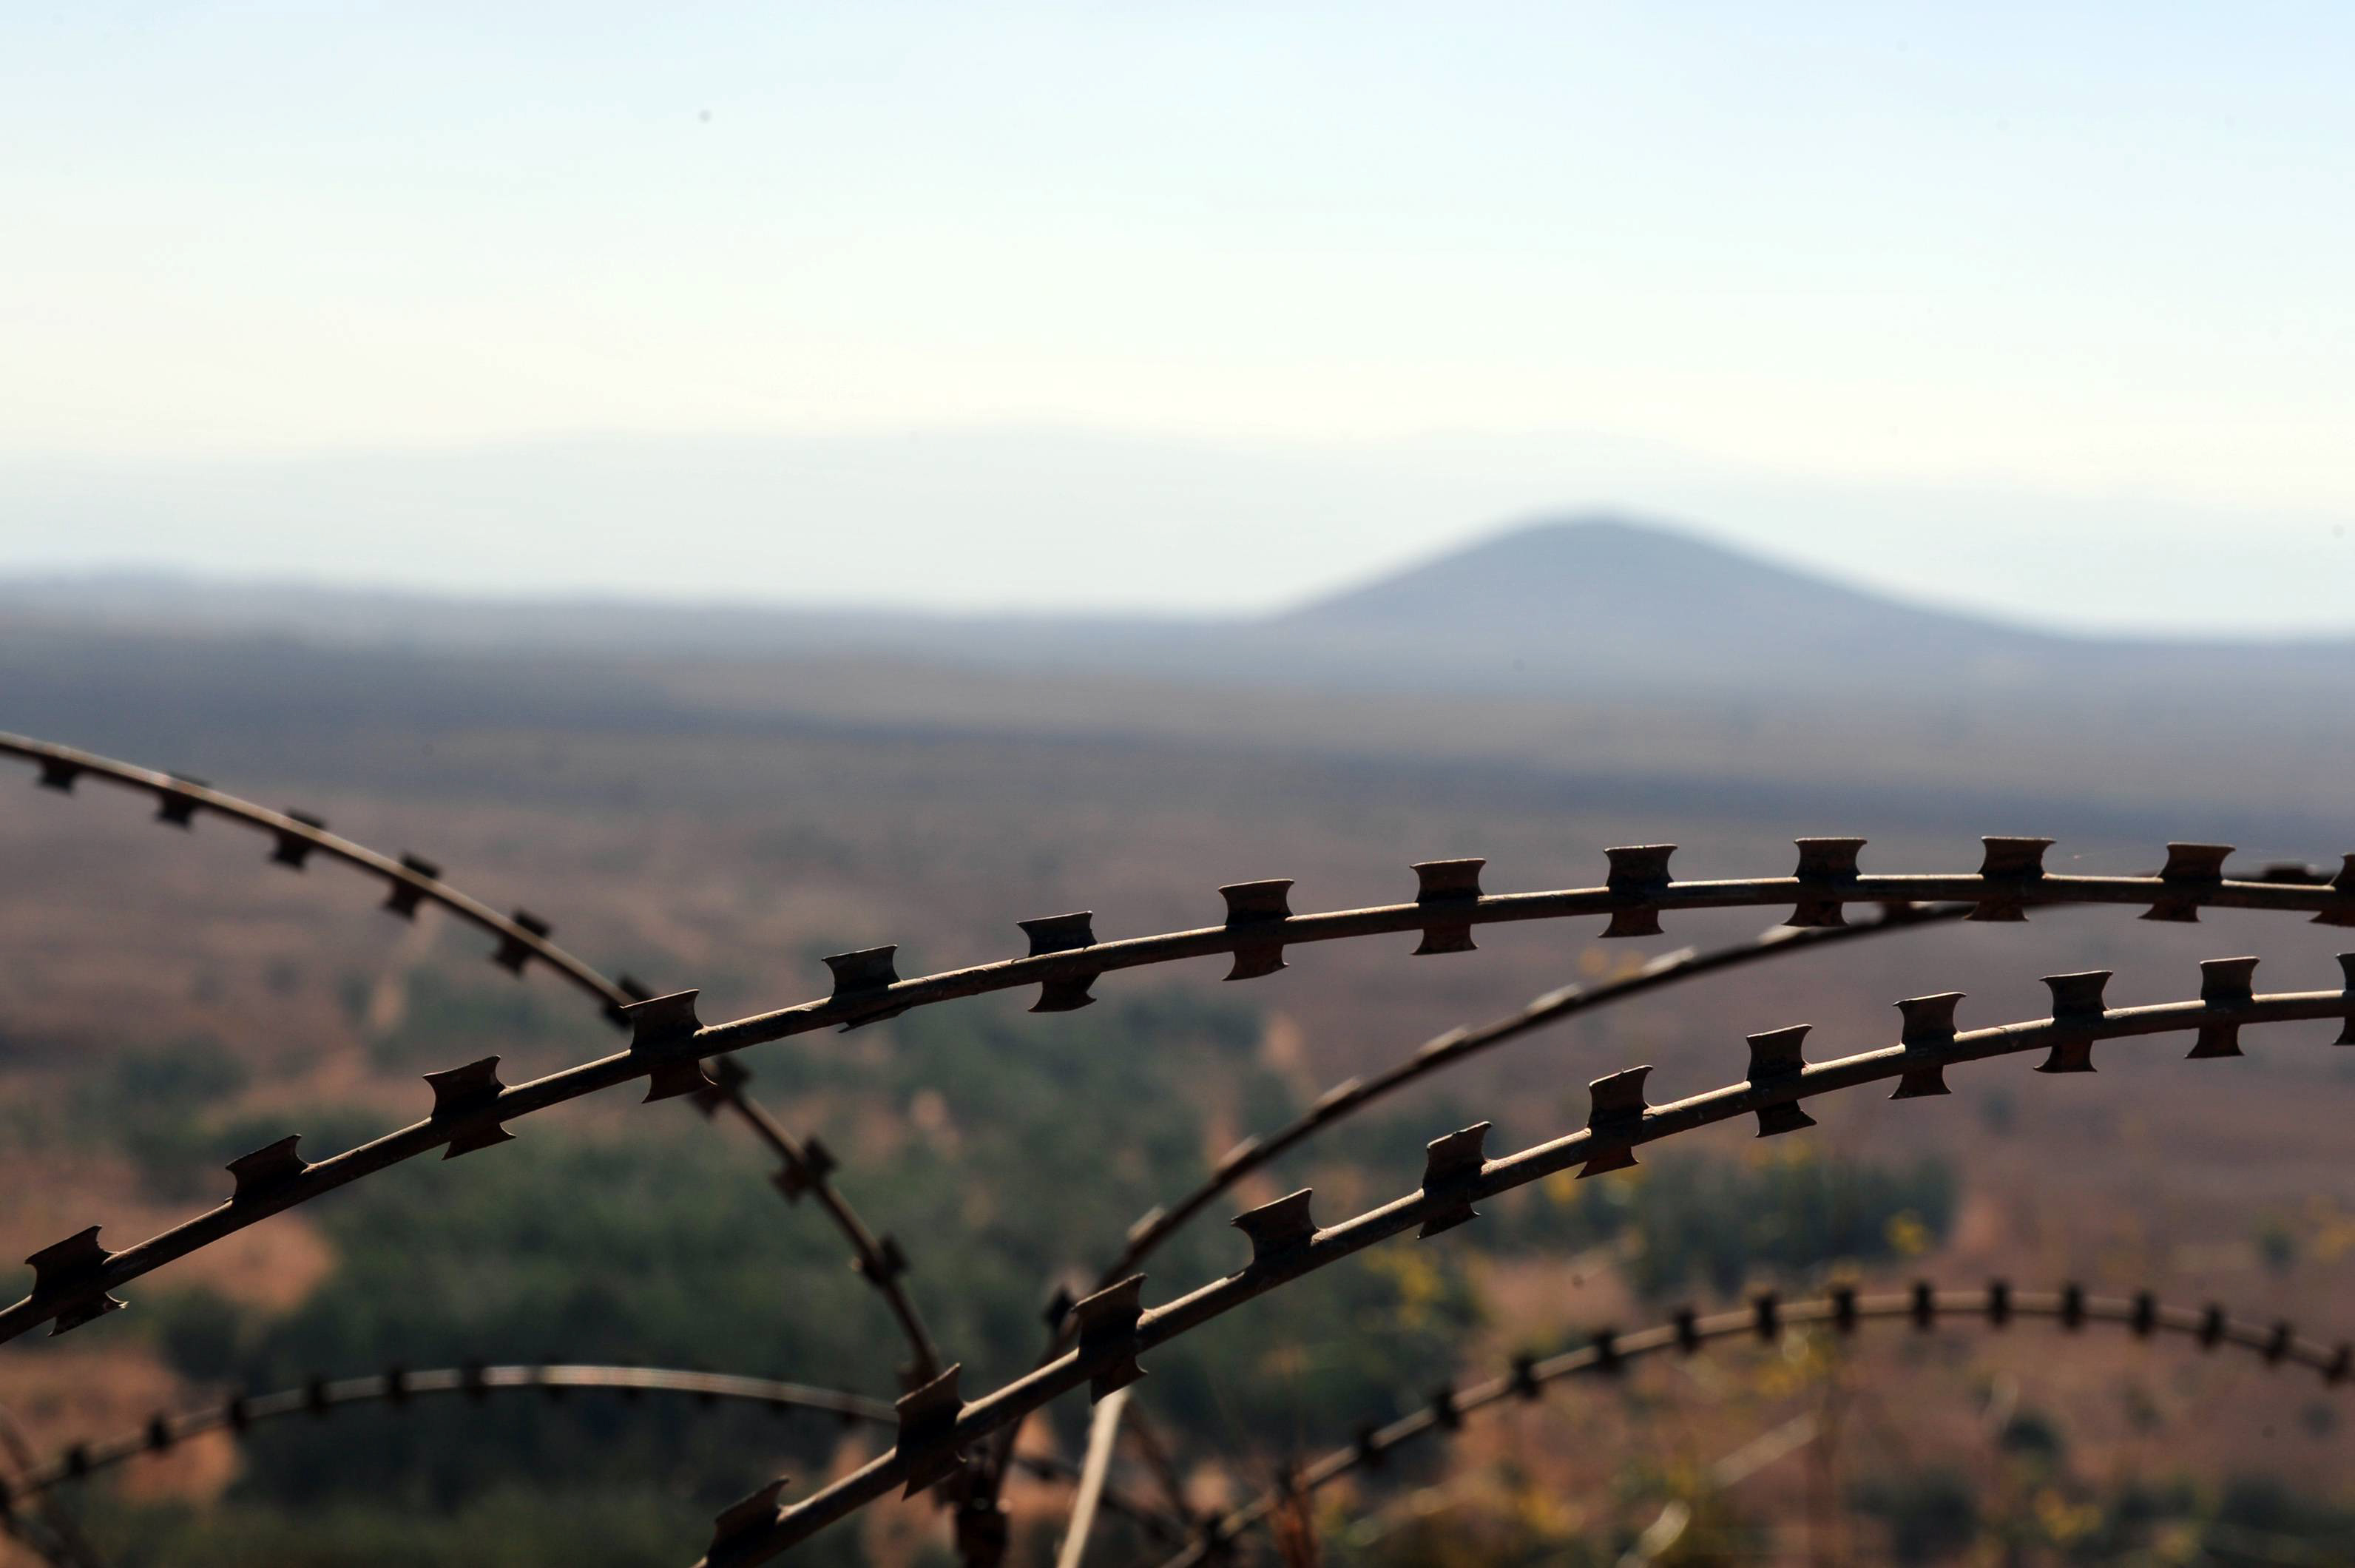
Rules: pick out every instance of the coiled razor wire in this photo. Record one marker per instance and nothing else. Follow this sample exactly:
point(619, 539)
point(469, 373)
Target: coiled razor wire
point(803, 1166)
point(1347, 1098)
point(395, 1387)
point(1116, 1327)
point(668, 1042)
point(1767, 1318)
point(52, 1534)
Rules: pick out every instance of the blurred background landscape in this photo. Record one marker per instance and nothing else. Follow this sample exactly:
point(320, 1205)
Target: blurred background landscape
point(759, 484)
point(717, 798)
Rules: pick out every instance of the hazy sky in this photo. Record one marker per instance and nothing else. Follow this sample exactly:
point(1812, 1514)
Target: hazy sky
point(1975, 298)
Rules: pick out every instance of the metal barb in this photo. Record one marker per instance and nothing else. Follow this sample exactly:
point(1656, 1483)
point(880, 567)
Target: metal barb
point(2340, 911)
point(864, 973)
point(2225, 984)
point(1442, 886)
point(1280, 1230)
point(1450, 1165)
point(663, 1030)
point(65, 1274)
point(518, 945)
point(1107, 1323)
point(742, 1517)
point(1617, 1113)
point(2076, 998)
point(1251, 905)
point(2192, 865)
point(462, 1094)
point(1062, 933)
point(1826, 865)
point(1929, 1022)
point(267, 1169)
point(1774, 1059)
point(290, 849)
point(2018, 862)
point(928, 1418)
point(1637, 869)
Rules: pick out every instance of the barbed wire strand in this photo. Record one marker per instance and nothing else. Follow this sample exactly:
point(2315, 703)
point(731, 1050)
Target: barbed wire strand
point(523, 938)
point(1346, 1099)
point(668, 1042)
point(55, 1538)
point(395, 1387)
point(1766, 1319)
point(1116, 1329)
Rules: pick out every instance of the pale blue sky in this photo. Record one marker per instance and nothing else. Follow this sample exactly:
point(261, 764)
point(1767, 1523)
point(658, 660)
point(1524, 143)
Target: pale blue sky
point(1969, 296)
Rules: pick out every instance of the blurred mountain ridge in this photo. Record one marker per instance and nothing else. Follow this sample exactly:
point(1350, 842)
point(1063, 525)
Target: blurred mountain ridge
point(1575, 603)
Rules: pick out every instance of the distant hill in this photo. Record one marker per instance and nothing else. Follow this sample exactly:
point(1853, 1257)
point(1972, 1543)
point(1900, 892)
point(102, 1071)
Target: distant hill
point(1589, 606)
point(1622, 660)
point(1637, 601)
point(1606, 577)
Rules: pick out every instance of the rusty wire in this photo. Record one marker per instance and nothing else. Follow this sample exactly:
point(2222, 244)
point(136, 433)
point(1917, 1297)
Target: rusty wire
point(804, 1167)
point(668, 1042)
point(1766, 1319)
point(1116, 1329)
point(295, 836)
point(55, 1536)
point(1347, 1098)
point(395, 1387)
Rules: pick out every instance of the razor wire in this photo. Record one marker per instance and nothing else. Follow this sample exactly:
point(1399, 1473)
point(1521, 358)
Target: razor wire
point(395, 1387)
point(1352, 1095)
point(410, 880)
point(1766, 1319)
point(668, 1042)
point(1116, 1327)
point(1258, 926)
point(55, 1536)
point(804, 1167)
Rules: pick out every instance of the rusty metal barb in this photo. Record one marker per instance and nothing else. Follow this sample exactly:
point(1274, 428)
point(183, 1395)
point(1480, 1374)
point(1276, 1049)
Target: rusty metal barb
point(1842, 1310)
point(1650, 1124)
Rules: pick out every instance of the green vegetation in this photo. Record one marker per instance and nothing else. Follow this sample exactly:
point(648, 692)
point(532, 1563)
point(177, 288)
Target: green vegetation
point(1783, 1215)
point(1024, 1147)
point(437, 1010)
point(155, 1105)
